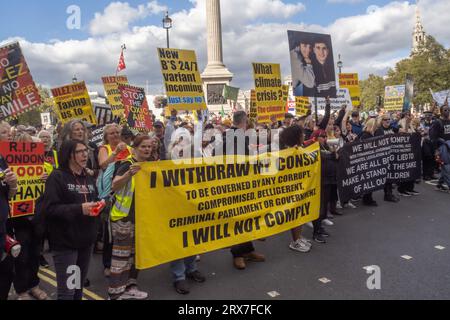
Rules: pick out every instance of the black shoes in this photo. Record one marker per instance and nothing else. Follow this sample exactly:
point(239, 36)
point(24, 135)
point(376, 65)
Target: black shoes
point(371, 204)
point(181, 287)
point(196, 276)
point(319, 238)
point(391, 198)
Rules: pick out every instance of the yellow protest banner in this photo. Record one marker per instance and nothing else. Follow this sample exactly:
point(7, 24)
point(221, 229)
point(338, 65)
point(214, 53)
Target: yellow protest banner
point(302, 106)
point(350, 81)
point(200, 207)
point(184, 86)
point(285, 90)
point(253, 109)
point(394, 97)
point(111, 85)
point(269, 92)
point(73, 102)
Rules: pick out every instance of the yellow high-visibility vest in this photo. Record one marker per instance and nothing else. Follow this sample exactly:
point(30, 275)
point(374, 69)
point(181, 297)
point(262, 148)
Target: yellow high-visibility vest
point(50, 167)
point(123, 200)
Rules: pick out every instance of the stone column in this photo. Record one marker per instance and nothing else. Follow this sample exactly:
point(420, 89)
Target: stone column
point(215, 65)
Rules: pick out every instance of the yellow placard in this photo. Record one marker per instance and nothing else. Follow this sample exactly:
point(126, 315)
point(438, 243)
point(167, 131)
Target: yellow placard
point(111, 85)
point(350, 81)
point(394, 97)
point(200, 207)
point(184, 86)
point(73, 102)
point(253, 109)
point(269, 92)
point(302, 106)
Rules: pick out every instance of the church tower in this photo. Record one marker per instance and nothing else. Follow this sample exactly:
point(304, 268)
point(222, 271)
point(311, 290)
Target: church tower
point(419, 36)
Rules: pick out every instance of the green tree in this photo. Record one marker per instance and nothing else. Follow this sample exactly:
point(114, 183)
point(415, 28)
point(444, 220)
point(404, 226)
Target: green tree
point(430, 68)
point(371, 88)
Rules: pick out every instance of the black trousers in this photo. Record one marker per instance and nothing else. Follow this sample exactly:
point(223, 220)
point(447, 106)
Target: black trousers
point(107, 246)
point(429, 164)
point(73, 264)
point(241, 249)
point(6, 276)
point(388, 190)
point(328, 196)
point(367, 198)
point(406, 186)
point(26, 265)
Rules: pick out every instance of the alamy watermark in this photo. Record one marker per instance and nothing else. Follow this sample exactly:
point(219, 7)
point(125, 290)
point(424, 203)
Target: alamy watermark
point(73, 21)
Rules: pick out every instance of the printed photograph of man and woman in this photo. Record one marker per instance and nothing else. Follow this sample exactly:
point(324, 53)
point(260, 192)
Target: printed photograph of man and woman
point(312, 63)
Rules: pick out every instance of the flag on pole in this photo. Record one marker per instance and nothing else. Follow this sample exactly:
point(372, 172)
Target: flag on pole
point(222, 113)
point(121, 66)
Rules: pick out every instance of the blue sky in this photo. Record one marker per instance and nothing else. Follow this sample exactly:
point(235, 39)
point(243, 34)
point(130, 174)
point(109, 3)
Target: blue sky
point(253, 30)
point(44, 20)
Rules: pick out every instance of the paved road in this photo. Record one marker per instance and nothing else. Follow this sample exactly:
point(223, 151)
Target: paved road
point(362, 237)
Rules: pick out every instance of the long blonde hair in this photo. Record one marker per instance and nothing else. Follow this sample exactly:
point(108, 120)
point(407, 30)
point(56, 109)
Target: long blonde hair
point(370, 126)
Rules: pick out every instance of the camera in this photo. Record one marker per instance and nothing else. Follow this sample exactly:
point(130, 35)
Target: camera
point(12, 246)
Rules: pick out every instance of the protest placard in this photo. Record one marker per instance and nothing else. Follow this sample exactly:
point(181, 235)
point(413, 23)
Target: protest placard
point(350, 81)
point(184, 87)
point(215, 205)
point(269, 92)
point(342, 98)
point(363, 167)
point(406, 157)
point(312, 64)
point(18, 92)
point(368, 165)
point(253, 109)
point(26, 159)
point(103, 113)
point(394, 98)
point(440, 97)
point(137, 112)
point(231, 93)
point(409, 93)
point(302, 106)
point(111, 85)
point(73, 102)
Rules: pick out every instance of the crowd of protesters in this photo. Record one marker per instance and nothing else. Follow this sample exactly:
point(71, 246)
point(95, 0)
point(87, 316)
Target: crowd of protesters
point(78, 175)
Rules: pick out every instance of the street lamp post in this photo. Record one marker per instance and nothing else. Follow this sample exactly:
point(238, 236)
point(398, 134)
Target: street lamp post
point(74, 79)
point(167, 24)
point(340, 64)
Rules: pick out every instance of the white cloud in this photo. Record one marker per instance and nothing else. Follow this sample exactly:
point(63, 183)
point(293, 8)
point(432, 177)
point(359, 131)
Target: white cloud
point(344, 1)
point(117, 16)
point(369, 43)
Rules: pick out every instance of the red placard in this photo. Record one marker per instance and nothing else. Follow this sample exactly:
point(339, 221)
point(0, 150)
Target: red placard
point(18, 92)
point(137, 112)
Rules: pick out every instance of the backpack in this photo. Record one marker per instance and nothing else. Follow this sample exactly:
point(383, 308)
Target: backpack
point(104, 182)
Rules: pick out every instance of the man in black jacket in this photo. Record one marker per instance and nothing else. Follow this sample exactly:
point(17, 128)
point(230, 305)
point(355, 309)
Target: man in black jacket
point(439, 133)
point(244, 251)
point(8, 188)
point(387, 129)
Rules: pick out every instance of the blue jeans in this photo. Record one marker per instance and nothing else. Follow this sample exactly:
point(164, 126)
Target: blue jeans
point(180, 268)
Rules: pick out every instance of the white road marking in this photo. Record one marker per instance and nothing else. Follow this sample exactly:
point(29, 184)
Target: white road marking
point(440, 247)
point(407, 257)
point(324, 280)
point(273, 294)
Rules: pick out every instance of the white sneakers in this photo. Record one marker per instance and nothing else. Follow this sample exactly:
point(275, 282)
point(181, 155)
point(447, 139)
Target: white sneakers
point(133, 294)
point(328, 222)
point(301, 245)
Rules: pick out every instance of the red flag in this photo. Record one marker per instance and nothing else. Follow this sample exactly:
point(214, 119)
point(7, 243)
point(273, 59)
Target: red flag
point(121, 65)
